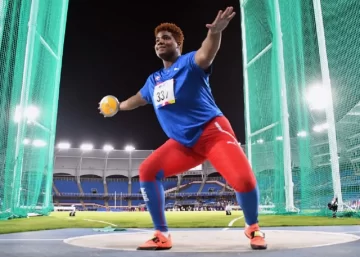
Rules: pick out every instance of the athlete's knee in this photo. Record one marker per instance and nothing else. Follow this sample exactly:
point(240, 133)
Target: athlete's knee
point(242, 181)
point(149, 172)
point(146, 172)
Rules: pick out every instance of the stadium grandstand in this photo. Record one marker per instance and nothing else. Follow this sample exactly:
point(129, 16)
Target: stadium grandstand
point(107, 180)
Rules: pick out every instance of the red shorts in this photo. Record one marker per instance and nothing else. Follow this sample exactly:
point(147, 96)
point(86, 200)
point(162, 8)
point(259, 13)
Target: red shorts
point(217, 144)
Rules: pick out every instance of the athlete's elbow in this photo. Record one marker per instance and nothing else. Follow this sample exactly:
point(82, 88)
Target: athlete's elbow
point(132, 103)
point(140, 100)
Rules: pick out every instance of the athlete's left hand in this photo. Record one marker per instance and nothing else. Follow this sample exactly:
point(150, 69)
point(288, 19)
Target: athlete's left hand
point(222, 20)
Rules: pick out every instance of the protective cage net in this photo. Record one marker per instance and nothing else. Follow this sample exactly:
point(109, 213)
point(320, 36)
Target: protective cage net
point(301, 73)
point(31, 44)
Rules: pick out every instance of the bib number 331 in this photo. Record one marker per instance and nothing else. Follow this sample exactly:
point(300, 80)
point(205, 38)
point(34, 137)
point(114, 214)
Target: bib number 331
point(164, 93)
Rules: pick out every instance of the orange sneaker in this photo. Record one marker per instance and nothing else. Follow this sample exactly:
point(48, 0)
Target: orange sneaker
point(257, 241)
point(157, 242)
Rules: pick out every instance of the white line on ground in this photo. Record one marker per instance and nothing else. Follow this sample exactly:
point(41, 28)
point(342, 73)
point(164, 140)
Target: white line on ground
point(141, 229)
point(231, 223)
point(100, 221)
point(68, 240)
point(31, 239)
point(98, 240)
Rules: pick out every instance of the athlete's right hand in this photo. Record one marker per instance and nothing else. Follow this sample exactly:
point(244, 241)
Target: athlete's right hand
point(222, 20)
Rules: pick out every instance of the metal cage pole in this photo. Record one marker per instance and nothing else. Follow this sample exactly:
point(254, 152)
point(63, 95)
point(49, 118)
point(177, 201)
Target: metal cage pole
point(335, 169)
point(289, 186)
point(246, 83)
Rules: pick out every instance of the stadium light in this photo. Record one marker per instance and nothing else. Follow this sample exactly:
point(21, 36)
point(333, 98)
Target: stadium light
point(260, 141)
point(86, 147)
point(321, 127)
point(31, 113)
point(108, 148)
point(63, 145)
point(317, 97)
point(26, 141)
point(39, 143)
point(17, 116)
point(129, 148)
point(302, 134)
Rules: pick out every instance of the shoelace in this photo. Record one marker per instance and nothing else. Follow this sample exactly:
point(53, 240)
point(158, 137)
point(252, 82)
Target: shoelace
point(155, 239)
point(257, 234)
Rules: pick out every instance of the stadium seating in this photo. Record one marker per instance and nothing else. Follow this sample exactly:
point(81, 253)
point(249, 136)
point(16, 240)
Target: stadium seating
point(86, 188)
point(211, 187)
point(93, 185)
point(66, 185)
point(119, 186)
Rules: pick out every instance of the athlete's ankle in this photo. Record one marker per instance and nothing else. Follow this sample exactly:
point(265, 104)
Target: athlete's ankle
point(164, 233)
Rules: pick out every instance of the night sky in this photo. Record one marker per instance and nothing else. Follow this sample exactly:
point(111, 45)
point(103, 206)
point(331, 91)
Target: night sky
point(109, 50)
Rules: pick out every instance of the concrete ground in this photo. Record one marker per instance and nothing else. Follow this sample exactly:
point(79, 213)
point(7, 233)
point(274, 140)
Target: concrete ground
point(334, 241)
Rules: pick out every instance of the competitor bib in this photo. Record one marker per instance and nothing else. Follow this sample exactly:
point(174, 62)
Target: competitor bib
point(164, 93)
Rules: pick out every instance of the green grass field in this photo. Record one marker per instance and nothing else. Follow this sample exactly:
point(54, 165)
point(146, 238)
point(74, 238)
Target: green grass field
point(58, 220)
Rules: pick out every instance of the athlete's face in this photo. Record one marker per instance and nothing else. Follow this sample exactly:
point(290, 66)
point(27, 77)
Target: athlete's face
point(165, 45)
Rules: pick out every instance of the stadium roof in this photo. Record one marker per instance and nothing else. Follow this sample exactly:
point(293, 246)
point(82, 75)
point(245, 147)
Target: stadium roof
point(102, 163)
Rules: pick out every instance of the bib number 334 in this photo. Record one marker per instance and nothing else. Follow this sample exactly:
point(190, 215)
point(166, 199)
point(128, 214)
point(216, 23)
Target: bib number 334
point(164, 93)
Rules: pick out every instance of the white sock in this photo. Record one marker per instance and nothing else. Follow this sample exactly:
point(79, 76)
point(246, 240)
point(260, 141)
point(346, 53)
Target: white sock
point(166, 234)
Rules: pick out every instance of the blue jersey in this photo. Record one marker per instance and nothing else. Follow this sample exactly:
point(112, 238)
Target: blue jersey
point(182, 99)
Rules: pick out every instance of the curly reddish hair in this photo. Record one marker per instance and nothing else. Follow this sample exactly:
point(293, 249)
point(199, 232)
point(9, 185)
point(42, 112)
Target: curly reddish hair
point(174, 30)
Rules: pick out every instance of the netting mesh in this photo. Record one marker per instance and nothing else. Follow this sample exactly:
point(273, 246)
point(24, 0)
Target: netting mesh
point(302, 98)
point(31, 45)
